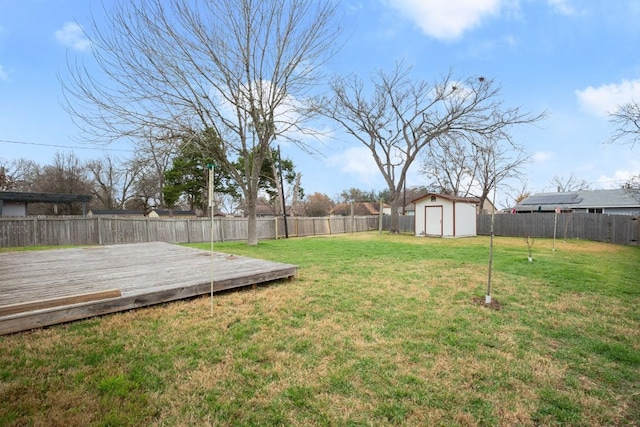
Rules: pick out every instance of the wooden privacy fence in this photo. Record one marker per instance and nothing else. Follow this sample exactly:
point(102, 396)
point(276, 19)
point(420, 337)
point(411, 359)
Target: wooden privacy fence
point(406, 223)
point(618, 229)
point(14, 232)
point(109, 231)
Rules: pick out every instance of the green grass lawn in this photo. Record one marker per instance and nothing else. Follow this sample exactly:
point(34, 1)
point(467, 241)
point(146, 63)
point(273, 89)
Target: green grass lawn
point(375, 330)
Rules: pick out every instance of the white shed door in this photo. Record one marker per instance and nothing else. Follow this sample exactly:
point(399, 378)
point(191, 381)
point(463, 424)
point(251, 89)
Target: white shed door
point(433, 220)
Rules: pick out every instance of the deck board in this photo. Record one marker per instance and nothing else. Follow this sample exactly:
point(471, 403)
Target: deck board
point(144, 273)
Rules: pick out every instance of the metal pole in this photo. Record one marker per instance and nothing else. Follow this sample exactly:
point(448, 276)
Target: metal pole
point(211, 209)
point(487, 298)
point(284, 204)
point(555, 226)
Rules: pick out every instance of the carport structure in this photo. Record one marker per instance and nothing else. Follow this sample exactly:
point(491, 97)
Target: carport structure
point(14, 203)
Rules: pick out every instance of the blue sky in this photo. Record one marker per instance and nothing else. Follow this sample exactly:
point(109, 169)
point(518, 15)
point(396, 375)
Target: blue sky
point(574, 59)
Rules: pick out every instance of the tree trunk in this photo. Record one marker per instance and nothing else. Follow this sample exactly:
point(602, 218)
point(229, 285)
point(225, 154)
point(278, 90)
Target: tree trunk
point(252, 223)
point(394, 227)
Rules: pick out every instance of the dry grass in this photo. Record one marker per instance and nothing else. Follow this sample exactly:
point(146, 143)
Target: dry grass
point(375, 330)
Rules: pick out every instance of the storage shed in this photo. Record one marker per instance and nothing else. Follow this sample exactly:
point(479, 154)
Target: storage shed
point(441, 215)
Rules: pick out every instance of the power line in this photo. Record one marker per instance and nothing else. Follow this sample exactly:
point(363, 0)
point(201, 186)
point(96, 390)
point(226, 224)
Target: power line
point(63, 146)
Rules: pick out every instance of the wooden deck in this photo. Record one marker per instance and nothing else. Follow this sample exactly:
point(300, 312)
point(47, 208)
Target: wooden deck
point(42, 288)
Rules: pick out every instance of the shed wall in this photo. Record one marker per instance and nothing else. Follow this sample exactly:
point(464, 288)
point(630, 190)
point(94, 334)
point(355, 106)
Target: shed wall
point(10, 208)
point(458, 218)
point(465, 219)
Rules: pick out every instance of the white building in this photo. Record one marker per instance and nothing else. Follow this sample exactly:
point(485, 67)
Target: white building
point(441, 215)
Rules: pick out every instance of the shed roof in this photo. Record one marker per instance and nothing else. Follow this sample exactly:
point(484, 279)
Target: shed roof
point(473, 200)
point(359, 208)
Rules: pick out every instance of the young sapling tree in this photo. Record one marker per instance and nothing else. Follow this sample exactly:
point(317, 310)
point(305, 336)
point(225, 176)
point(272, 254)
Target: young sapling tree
point(529, 241)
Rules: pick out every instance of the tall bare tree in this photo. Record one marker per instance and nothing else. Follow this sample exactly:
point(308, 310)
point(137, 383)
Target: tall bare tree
point(448, 165)
point(495, 162)
point(237, 68)
point(626, 119)
point(66, 175)
point(401, 116)
point(113, 180)
point(464, 167)
point(565, 184)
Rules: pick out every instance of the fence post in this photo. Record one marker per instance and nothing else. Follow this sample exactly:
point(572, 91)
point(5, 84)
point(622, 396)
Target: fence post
point(352, 218)
point(275, 218)
point(35, 231)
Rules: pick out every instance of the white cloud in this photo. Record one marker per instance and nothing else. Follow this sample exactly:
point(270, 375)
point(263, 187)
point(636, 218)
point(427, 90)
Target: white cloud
point(618, 178)
point(542, 156)
point(357, 161)
point(71, 35)
point(563, 7)
point(446, 19)
point(605, 99)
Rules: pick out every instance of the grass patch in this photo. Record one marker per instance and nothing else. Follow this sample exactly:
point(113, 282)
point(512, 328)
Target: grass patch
point(375, 330)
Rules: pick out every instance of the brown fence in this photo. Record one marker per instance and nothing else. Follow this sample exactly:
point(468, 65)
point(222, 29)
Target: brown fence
point(108, 231)
point(618, 229)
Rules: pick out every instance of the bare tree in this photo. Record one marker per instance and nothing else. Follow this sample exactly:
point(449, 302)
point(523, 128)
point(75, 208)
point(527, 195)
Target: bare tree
point(239, 69)
point(66, 175)
point(104, 176)
point(7, 178)
point(153, 155)
point(565, 184)
point(626, 119)
point(632, 186)
point(515, 195)
point(495, 161)
point(448, 164)
point(20, 174)
point(402, 116)
point(130, 173)
point(113, 180)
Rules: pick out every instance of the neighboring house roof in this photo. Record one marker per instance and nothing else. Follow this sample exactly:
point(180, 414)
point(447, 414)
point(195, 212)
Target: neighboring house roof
point(359, 208)
point(449, 197)
point(116, 212)
point(264, 210)
point(488, 206)
point(587, 199)
point(162, 212)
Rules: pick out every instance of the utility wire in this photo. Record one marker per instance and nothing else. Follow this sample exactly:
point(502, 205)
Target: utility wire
point(64, 146)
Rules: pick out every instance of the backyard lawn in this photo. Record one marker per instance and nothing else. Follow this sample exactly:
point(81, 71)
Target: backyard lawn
point(377, 329)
